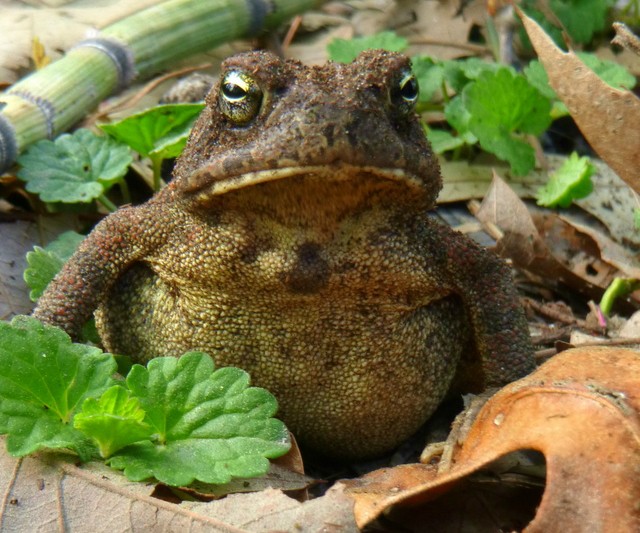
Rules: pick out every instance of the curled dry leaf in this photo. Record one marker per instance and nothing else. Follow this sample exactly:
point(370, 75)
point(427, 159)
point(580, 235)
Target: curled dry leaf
point(581, 410)
point(607, 117)
point(553, 248)
point(611, 202)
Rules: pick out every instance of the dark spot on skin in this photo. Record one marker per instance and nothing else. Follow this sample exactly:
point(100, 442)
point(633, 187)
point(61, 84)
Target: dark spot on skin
point(249, 254)
point(329, 134)
point(310, 273)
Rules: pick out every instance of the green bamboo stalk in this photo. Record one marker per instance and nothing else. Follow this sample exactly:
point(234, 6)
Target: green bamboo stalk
point(54, 98)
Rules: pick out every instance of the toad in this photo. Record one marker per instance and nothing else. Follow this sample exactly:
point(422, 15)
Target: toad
point(294, 242)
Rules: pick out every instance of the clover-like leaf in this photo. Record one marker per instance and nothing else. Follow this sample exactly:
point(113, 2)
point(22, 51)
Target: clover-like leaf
point(44, 263)
point(582, 18)
point(159, 131)
point(78, 167)
point(460, 72)
point(502, 106)
point(113, 421)
point(442, 141)
point(211, 426)
point(458, 116)
point(570, 182)
point(44, 380)
point(346, 50)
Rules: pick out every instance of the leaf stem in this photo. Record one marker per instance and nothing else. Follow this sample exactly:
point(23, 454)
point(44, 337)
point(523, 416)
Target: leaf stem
point(445, 94)
point(124, 190)
point(619, 288)
point(108, 204)
point(156, 165)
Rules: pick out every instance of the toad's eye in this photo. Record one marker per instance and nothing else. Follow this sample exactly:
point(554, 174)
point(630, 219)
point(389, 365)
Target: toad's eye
point(240, 97)
point(404, 94)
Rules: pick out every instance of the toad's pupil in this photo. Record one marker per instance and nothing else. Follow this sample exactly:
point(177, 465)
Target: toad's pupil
point(233, 91)
point(409, 89)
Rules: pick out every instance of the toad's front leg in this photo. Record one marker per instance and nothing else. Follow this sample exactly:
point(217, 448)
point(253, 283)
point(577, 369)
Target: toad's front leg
point(485, 285)
point(115, 243)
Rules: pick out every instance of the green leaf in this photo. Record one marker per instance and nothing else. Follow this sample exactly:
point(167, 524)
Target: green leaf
point(503, 106)
point(442, 141)
point(211, 426)
point(458, 116)
point(346, 50)
point(74, 168)
point(429, 74)
point(636, 218)
point(571, 181)
point(45, 263)
point(537, 76)
point(460, 72)
point(160, 131)
point(582, 18)
point(44, 379)
point(113, 421)
point(611, 73)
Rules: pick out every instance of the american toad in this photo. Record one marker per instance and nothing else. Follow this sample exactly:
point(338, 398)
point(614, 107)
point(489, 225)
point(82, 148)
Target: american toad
point(294, 242)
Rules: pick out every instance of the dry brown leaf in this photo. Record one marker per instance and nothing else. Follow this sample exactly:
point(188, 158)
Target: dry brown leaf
point(581, 411)
point(631, 328)
point(57, 29)
point(47, 492)
point(544, 244)
point(611, 202)
point(440, 30)
point(609, 118)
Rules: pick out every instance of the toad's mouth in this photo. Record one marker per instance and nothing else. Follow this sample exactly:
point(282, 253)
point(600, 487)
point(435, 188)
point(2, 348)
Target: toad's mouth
point(332, 173)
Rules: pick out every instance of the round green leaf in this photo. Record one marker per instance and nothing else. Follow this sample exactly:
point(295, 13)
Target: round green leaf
point(74, 168)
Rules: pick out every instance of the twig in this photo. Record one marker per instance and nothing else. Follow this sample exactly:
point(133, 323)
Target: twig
point(626, 38)
point(555, 314)
point(291, 32)
point(477, 48)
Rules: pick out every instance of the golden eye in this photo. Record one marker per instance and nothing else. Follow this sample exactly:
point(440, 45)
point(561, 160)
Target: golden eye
point(405, 93)
point(409, 88)
point(240, 97)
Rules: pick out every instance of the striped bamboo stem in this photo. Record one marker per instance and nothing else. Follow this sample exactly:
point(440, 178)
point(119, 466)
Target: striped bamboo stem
point(54, 98)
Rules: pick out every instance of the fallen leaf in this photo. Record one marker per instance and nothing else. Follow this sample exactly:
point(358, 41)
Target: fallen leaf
point(580, 410)
point(631, 329)
point(57, 29)
point(612, 201)
point(543, 244)
point(440, 30)
point(607, 117)
point(47, 491)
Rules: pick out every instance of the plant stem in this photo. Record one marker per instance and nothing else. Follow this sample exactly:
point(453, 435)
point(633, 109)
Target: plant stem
point(156, 165)
point(108, 204)
point(124, 190)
